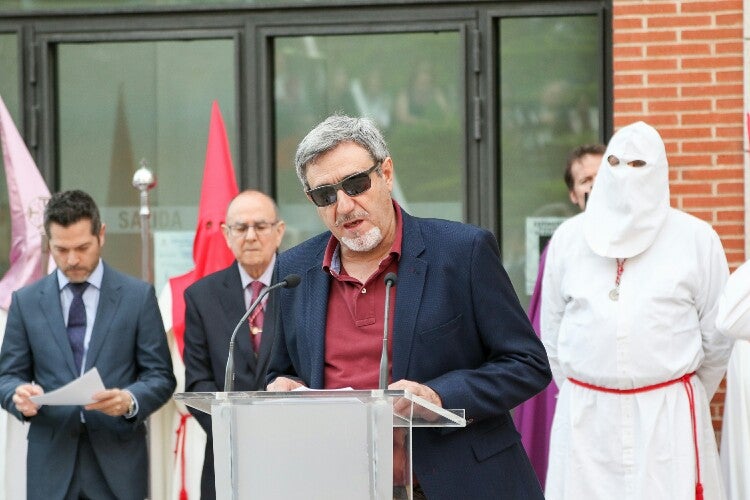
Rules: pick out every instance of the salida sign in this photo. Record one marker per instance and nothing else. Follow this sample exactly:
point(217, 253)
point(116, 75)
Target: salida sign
point(125, 220)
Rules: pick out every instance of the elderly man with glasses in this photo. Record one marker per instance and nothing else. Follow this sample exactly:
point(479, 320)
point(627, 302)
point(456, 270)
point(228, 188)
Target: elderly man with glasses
point(460, 338)
point(214, 305)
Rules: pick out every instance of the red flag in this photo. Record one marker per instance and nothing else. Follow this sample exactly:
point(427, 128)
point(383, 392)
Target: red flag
point(27, 195)
point(210, 250)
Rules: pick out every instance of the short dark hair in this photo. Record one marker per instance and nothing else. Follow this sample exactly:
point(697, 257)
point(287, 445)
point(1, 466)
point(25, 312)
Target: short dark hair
point(577, 154)
point(68, 207)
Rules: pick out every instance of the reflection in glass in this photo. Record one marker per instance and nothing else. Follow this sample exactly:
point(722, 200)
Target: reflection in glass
point(10, 93)
point(149, 100)
point(550, 92)
point(391, 79)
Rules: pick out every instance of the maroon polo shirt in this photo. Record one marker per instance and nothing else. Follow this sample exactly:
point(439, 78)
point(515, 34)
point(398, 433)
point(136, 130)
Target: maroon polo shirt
point(354, 319)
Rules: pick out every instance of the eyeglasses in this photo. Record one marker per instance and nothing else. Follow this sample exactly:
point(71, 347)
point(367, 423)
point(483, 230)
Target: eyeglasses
point(240, 229)
point(352, 185)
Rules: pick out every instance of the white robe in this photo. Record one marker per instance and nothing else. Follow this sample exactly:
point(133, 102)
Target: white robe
point(637, 446)
point(166, 452)
point(733, 319)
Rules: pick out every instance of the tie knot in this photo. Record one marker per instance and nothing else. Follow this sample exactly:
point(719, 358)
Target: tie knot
point(78, 288)
point(256, 287)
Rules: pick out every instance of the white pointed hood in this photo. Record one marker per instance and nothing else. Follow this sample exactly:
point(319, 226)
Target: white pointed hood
point(628, 205)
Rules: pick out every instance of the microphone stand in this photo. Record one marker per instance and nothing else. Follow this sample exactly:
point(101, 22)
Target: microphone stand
point(390, 280)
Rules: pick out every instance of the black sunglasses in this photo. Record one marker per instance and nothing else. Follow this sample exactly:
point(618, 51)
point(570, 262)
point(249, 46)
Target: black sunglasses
point(352, 185)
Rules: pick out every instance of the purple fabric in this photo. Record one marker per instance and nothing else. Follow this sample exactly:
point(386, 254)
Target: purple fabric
point(533, 418)
point(27, 196)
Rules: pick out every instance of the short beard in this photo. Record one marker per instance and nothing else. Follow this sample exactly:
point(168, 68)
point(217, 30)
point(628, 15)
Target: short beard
point(365, 242)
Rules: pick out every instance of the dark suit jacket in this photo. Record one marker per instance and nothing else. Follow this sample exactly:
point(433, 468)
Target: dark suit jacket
point(458, 328)
point(213, 306)
point(128, 346)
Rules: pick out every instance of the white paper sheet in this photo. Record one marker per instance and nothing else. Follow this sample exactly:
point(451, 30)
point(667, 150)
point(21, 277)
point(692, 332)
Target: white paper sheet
point(77, 393)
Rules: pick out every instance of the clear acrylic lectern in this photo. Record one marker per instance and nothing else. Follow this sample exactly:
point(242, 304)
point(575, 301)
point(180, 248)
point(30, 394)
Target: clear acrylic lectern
point(314, 444)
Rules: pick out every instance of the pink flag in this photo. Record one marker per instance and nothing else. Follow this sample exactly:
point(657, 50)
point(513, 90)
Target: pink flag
point(27, 195)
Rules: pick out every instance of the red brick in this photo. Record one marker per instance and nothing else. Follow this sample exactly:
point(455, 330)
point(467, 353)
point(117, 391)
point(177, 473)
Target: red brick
point(633, 79)
point(681, 21)
point(643, 37)
point(713, 90)
point(711, 6)
point(683, 189)
point(628, 107)
point(733, 19)
point(726, 104)
point(729, 76)
point(730, 231)
point(713, 201)
point(713, 174)
point(653, 120)
point(725, 48)
point(730, 188)
point(714, 146)
point(708, 118)
point(678, 49)
point(731, 159)
point(632, 51)
point(669, 64)
point(712, 34)
point(730, 131)
point(690, 160)
point(646, 92)
point(733, 244)
point(705, 215)
point(730, 215)
point(619, 9)
point(711, 62)
point(680, 133)
point(693, 105)
point(626, 23)
point(679, 77)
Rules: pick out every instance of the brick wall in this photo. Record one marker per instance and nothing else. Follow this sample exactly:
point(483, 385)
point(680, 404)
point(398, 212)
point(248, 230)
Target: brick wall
point(678, 66)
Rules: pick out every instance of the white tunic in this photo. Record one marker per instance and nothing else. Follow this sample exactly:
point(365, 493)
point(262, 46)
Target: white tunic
point(637, 446)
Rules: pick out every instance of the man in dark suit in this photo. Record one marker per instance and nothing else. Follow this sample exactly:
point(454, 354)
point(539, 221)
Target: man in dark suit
point(460, 338)
point(85, 315)
point(214, 305)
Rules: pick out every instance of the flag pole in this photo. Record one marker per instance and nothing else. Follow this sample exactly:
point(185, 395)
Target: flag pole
point(143, 180)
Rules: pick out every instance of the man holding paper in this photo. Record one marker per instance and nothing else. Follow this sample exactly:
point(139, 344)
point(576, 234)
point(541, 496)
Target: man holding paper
point(84, 315)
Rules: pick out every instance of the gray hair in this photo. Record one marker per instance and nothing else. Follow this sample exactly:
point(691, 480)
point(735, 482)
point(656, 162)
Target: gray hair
point(333, 131)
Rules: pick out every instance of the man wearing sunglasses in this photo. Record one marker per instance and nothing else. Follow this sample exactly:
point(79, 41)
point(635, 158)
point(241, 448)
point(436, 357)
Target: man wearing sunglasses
point(460, 338)
point(215, 303)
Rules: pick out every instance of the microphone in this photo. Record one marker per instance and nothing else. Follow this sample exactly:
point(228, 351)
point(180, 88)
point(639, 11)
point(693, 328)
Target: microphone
point(290, 281)
point(390, 280)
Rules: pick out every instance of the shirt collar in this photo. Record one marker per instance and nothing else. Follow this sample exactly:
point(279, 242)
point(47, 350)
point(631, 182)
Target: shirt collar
point(265, 278)
point(95, 278)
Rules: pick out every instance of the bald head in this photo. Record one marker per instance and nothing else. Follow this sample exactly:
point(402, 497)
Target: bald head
point(253, 230)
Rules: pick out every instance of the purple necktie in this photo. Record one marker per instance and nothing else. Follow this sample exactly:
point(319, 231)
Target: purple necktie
point(256, 317)
point(77, 321)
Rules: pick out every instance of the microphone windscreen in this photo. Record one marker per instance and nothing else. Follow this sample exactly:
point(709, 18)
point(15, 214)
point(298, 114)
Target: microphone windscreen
point(292, 280)
point(392, 278)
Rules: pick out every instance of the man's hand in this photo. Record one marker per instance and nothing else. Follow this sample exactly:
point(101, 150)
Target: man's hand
point(403, 406)
point(112, 402)
point(22, 401)
point(283, 384)
point(417, 389)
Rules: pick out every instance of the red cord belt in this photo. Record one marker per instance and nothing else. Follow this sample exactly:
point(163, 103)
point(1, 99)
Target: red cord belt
point(685, 380)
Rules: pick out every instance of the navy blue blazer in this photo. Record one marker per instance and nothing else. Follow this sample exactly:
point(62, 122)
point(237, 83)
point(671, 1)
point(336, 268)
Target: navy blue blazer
point(459, 329)
point(128, 347)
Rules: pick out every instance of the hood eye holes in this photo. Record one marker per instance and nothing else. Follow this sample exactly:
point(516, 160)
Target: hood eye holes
point(615, 161)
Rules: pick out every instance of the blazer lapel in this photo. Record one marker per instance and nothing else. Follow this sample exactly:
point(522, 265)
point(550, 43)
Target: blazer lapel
point(51, 308)
point(412, 272)
point(109, 301)
point(316, 284)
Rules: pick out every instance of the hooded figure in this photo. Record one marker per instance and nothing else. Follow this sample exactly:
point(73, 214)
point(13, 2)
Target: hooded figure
point(630, 200)
point(629, 299)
